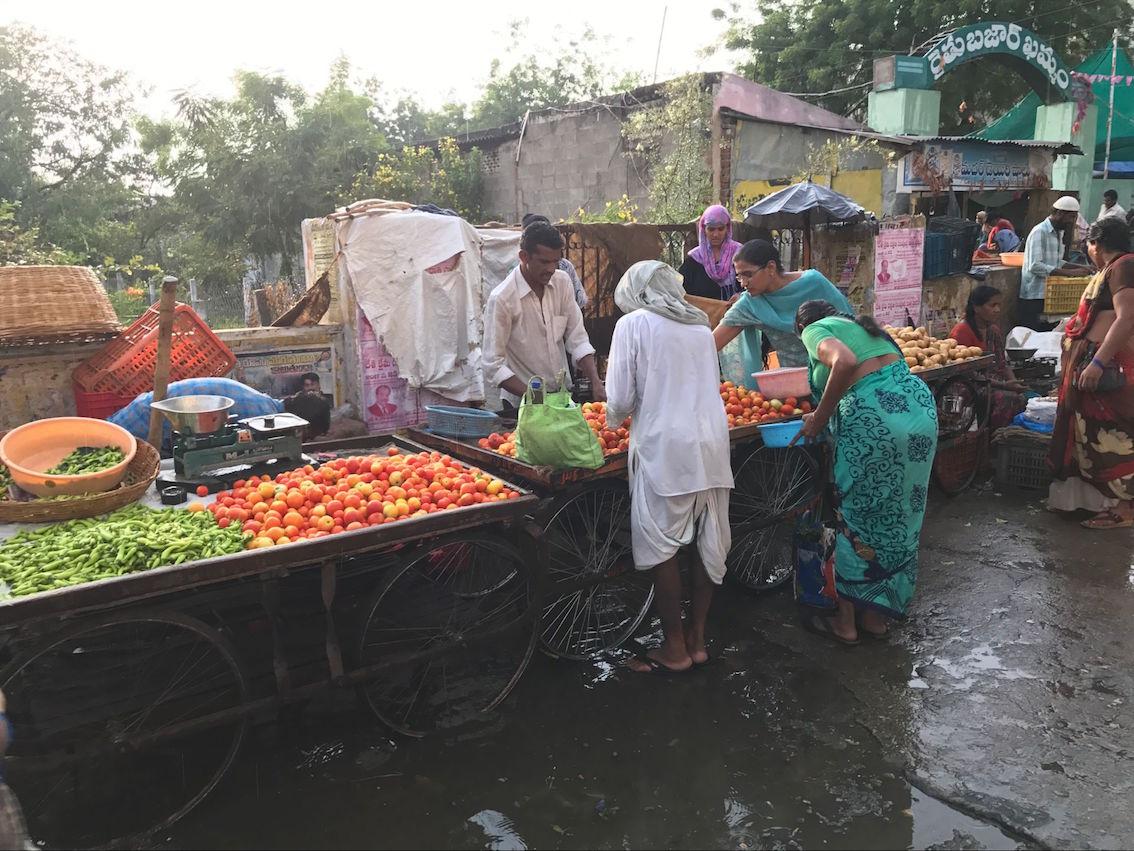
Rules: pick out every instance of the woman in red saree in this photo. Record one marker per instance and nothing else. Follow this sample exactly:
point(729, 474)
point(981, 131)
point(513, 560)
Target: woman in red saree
point(1094, 426)
point(980, 329)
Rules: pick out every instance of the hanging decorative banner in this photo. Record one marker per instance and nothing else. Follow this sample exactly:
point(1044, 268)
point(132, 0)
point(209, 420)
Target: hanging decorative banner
point(1006, 39)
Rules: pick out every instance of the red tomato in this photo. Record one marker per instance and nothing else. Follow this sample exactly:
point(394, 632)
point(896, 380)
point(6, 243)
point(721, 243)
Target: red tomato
point(202, 490)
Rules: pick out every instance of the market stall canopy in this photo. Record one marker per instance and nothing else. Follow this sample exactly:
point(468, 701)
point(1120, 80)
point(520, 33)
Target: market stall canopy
point(1019, 121)
point(803, 204)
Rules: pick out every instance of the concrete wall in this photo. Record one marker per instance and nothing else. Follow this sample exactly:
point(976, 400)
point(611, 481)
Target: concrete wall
point(566, 161)
point(35, 382)
point(764, 157)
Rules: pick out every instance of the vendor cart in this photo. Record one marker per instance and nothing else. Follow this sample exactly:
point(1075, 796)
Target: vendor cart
point(962, 393)
point(130, 696)
point(596, 600)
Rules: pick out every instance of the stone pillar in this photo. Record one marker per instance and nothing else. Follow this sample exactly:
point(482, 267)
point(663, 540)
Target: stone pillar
point(905, 112)
point(1053, 124)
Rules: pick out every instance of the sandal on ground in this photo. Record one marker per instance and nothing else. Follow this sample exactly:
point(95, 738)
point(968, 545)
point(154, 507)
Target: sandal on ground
point(821, 626)
point(656, 668)
point(1108, 520)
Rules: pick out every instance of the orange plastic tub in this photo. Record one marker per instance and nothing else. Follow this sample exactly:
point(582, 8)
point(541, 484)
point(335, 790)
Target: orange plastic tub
point(1012, 258)
point(34, 447)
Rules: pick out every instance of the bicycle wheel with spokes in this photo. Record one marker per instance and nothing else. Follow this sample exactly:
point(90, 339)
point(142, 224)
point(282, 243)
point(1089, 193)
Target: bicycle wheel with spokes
point(762, 558)
point(771, 484)
point(453, 625)
point(596, 599)
point(99, 757)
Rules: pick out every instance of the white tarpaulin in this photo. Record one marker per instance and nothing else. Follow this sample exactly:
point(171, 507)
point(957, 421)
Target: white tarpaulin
point(429, 313)
point(499, 253)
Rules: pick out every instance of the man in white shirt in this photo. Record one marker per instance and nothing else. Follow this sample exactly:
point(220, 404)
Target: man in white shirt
point(1110, 207)
point(1043, 258)
point(663, 372)
point(532, 322)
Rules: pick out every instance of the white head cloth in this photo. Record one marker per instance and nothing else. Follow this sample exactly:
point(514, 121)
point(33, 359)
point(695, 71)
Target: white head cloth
point(654, 286)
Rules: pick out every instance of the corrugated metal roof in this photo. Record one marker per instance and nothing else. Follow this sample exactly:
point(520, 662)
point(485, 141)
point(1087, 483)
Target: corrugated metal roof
point(1058, 147)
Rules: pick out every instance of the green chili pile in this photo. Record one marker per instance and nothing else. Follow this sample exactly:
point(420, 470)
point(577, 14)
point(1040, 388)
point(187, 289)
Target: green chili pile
point(88, 459)
point(5, 480)
point(130, 540)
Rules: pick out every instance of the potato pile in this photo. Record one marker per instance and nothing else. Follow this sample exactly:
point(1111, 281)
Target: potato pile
point(923, 352)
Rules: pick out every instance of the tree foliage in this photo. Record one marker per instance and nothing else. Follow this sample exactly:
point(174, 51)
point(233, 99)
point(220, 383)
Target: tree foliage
point(670, 143)
point(443, 176)
point(828, 46)
point(225, 180)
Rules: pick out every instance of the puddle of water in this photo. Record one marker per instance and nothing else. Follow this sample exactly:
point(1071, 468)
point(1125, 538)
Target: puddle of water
point(936, 823)
point(981, 660)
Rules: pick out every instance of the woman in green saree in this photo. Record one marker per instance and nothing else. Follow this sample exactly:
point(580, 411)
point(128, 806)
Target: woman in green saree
point(884, 423)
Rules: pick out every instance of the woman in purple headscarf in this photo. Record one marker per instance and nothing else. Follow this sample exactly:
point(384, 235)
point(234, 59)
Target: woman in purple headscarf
point(708, 270)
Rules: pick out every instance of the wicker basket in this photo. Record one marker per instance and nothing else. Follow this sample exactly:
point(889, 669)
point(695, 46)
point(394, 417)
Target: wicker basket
point(53, 304)
point(1062, 295)
point(139, 476)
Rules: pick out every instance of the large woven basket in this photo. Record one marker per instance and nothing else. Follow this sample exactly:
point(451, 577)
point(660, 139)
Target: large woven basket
point(53, 304)
point(139, 476)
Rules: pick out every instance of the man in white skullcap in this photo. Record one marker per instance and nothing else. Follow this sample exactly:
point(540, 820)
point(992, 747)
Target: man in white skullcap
point(1043, 258)
point(663, 372)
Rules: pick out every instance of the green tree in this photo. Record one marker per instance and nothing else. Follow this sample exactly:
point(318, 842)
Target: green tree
point(247, 170)
point(22, 246)
point(419, 174)
point(669, 143)
point(827, 47)
point(520, 81)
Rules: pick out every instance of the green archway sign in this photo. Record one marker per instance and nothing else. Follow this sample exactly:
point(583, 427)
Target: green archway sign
point(1029, 55)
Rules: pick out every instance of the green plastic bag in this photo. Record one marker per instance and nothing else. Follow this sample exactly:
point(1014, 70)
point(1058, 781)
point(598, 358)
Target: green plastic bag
point(553, 433)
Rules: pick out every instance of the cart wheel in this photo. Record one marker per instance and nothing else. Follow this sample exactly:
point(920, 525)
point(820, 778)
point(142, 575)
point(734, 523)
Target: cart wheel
point(763, 558)
point(454, 621)
point(956, 465)
point(605, 598)
point(957, 405)
point(86, 707)
point(771, 485)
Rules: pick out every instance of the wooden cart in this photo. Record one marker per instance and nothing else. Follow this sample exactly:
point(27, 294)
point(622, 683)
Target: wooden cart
point(158, 674)
point(596, 600)
point(962, 392)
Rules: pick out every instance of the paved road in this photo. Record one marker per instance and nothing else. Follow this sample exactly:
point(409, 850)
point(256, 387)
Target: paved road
point(998, 717)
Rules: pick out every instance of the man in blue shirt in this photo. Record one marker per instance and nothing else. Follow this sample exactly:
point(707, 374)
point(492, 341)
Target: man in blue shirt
point(1043, 258)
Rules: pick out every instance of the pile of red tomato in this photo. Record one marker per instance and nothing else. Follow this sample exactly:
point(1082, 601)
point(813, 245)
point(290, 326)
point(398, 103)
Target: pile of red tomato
point(352, 493)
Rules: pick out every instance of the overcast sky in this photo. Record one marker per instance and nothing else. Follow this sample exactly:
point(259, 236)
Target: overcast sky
point(436, 48)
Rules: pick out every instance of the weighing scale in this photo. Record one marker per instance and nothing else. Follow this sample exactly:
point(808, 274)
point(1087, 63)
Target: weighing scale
point(211, 449)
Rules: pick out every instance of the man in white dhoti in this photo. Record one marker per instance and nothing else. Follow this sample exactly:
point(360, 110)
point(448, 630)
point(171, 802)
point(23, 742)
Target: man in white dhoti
point(663, 372)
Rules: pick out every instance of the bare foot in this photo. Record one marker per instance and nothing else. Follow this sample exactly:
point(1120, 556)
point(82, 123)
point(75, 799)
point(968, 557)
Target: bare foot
point(697, 651)
point(873, 623)
point(659, 657)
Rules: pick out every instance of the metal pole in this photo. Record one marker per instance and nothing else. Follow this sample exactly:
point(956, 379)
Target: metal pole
point(1110, 115)
point(657, 56)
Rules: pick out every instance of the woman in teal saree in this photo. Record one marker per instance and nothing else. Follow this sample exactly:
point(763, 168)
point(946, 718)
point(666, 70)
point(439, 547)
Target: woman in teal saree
point(884, 422)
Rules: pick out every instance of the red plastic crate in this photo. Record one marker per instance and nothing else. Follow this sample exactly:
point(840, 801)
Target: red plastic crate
point(99, 405)
point(125, 365)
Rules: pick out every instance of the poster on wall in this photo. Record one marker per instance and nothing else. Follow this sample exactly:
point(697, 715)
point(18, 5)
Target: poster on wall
point(387, 400)
point(898, 257)
point(280, 373)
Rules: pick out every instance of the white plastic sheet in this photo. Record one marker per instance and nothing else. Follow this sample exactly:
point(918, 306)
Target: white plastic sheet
point(430, 321)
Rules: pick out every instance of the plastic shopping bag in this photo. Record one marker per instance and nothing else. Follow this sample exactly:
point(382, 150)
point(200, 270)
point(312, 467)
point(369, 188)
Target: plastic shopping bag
point(551, 431)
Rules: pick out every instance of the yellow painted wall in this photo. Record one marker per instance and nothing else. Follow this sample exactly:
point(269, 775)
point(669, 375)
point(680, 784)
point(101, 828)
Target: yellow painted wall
point(865, 187)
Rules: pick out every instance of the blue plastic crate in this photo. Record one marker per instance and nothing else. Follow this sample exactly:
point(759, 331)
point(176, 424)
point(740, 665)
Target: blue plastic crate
point(938, 255)
point(453, 421)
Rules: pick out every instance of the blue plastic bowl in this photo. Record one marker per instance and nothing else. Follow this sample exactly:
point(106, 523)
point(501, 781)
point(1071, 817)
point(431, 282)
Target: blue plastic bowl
point(779, 435)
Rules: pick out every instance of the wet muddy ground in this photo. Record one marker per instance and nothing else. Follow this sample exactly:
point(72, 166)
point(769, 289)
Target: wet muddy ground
point(998, 717)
